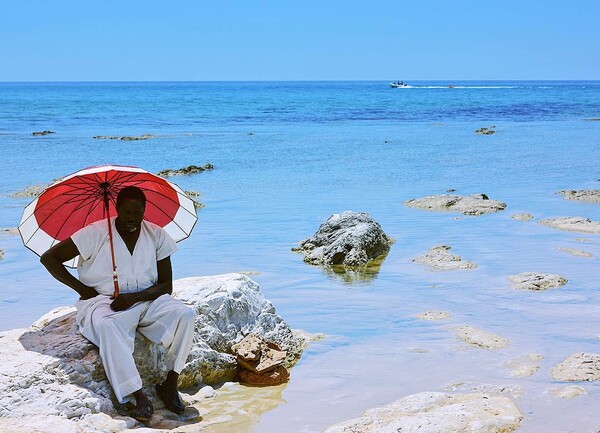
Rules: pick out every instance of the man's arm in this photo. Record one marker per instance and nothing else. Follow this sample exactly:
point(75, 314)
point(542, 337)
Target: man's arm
point(53, 260)
point(164, 286)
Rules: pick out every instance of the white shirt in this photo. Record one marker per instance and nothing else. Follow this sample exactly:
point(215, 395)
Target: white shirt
point(136, 272)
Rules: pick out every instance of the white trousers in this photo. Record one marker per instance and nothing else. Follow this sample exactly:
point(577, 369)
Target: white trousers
point(165, 320)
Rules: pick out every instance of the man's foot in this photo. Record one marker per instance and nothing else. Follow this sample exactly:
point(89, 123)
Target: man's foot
point(143, 410)
point(170, 398)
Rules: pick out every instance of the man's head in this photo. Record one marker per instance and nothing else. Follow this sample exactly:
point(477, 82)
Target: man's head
point(131, 203)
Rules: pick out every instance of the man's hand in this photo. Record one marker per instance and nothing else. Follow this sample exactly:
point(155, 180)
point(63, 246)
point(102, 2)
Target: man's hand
point(87, 293)
point(124, 301)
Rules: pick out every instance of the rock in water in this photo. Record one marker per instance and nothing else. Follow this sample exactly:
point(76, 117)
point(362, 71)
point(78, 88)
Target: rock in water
point(53, 373)
point(480, 338)
point(573, 224)
point(440, 259)
point(475, 204)
point(437, 412)
point(347, 239)
point(578, 367)
point(536, 281)
point(590, 195)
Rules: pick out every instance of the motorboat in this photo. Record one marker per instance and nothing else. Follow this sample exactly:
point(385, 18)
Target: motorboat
point(400, 85)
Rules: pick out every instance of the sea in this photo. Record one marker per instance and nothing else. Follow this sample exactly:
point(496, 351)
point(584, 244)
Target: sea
point(287, 156)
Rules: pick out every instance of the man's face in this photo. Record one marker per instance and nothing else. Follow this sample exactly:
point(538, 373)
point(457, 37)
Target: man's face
point(130, 215)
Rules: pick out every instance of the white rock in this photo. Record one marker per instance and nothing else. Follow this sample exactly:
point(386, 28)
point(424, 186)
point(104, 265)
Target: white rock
point(475, 204)
point(439, 258)
point(479, 338)
point(574, 224)
point(536, 281)
point(50, 370)
point(566, 391)
point(579, 367)
point(347, 239)
point(434, 315)
point(575, 252)
point(436, 412)
point(590, 195)
point(525, 365)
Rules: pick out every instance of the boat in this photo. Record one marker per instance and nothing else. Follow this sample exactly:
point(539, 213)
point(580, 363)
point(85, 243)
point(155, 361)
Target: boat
point(400, 85)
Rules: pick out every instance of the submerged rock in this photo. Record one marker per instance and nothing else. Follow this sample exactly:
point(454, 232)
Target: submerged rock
point(486, 131)
point(590, 195)
point(566, 391)
point(522, 216)
point(40, 133)
point(124, 137)
point(49, 370)
point(437, 412)
point(480, 338)
point(575, 252)
point(434, 315)
point(1, 253)
point(438, 258)
point(573, 224)
point(475, 204)
point(10, 231)
point(190, 169)
point(579, 367)
point(525, 365)
point(536, 281)
point(346, 239)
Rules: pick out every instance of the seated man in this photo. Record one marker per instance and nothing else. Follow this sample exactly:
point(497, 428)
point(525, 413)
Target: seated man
point(142, 253)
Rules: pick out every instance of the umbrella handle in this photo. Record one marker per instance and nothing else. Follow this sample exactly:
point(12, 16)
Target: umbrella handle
point(112, 249)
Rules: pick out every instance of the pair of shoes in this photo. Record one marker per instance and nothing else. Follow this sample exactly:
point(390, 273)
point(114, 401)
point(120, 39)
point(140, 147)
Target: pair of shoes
point(170, 399)
point(143, 411)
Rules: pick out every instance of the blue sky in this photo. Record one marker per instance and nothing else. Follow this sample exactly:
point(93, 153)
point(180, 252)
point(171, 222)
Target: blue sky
point(81, 40)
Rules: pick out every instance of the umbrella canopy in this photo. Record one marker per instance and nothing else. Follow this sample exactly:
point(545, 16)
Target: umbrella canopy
point(78, 200)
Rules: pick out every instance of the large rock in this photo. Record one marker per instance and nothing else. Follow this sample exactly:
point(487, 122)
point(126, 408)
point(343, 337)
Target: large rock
point(348, 239)
point(579, 367)
point(440, 259)
point(475, 204)
point(536, 281)
point(591, 195)
point(573, 224)
point(437, 412)
point(50, 370)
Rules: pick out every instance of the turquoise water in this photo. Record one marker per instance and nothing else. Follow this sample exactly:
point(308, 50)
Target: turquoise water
point(286, 157)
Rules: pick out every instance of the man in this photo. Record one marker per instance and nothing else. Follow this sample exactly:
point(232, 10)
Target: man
point(142, 254)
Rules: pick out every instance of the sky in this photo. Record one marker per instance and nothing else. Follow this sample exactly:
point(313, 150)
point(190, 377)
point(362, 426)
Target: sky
point(195, 40)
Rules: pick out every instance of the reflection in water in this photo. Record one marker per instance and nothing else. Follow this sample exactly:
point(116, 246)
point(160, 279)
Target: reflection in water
point(356, 274)
point(238, 408)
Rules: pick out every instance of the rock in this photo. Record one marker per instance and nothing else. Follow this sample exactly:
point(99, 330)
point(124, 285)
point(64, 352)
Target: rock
point(1, 253)
point(566, 391)
point(522, 216)
point(11, 231)
point(578, 367)
point(190, 169)
point(525, 365)
point(434, 315)
point(49, 370)
point(590, 195)
point(486, 131)
point(475, 204)
point(346, 239)
point(257, 355)
point(575, 252)
point(479, 338)
point(30, 192)
point(438, 258)
point(436, 412)
point(574, 224)
point(583, 240)
point(39, 133)
point(273, 377)
point(469, 387)
point(536, 281)
point(124, 137)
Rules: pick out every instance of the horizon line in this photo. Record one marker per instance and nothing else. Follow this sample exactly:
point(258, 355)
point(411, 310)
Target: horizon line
point(285, 81)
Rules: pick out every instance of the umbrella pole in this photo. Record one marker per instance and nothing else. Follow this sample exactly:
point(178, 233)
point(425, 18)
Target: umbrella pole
point(112, 249)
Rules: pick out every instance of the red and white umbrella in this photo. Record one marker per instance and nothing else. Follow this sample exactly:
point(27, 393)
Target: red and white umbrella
point(82, 198)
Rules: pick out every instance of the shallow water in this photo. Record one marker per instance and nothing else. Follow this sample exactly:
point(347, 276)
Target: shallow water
point(286, 157)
